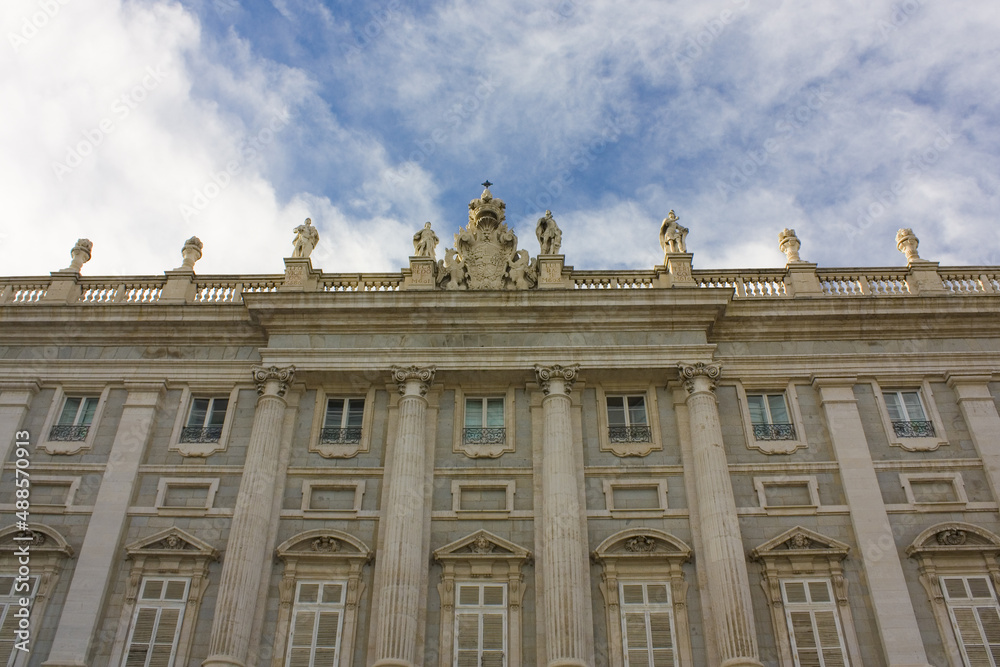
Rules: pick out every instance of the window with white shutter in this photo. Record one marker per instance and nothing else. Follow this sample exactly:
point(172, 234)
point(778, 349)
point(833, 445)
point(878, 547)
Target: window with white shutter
point(481, 625)
point(975, 617)
point(813, 623)
point(317, 624)
point(11, 591)
point(156, 623)
point(648, 625)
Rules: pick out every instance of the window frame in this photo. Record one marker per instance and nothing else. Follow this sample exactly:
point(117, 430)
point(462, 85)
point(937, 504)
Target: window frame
point(906, 480)
point(318, 607)
point(487, 450)
point(63, 392)
point(342, 450)
point(660, 484)
point(480, 610)
point(628, 449)
point(970, 602)
point(185, 406)
point(772, 446)
point(811, 483)
point(812, 608)
point(163, 485)
point(646, 608)
point(159, 605)
point(9, 604)
point(508, 486)
point(926, 395)
point(357, 486)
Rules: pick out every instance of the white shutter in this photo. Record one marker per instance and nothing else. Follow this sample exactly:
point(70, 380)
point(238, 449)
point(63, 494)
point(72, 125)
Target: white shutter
point(975, 616)
point(814, 624)
point(481, 625)
point(9, 605)
point(317, 624)
point(647, 625)
point(156, 623)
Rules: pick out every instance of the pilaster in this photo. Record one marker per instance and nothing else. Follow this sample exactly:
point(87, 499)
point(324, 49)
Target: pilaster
point(64, 288)
point(179, 288)
point(723, 557)
point(801, 279)
point(894, 615)
point(15, 398)
point(980, 413)
point(923, 278)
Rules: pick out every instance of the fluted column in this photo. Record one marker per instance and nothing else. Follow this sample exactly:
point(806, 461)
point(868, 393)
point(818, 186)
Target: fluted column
point(723, 558)
point(569, 632)
point(247, 551)
point(401, 563)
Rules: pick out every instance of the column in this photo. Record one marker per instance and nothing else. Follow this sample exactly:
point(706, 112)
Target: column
point(980, 413)
point(101, 546)
point(15, 397)
point(723, 559)
point(894, 616)
point(563, 552)
point(401, 564)
point(247, 551)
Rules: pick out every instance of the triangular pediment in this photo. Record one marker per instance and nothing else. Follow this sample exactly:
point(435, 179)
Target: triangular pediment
point(637, 542)
point(324, 543)
point(954, 536)
point(482, 543)
point(800, 540)
point(172, 541)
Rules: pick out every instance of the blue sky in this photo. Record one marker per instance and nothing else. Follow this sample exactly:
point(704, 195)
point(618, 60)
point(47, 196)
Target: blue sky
point(138, 124)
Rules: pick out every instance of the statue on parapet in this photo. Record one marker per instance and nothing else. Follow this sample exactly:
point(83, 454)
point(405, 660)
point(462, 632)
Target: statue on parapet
point(789, 244)
point(906, 243)
point(80, 254)
point(672, 235)
point(451, 271)
point(549, 235)
point(190, 253)
point(425, 242)
point(522, 271)
point(306, 239)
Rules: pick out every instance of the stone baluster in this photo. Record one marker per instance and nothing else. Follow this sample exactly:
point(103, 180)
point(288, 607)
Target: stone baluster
point(723, 557)
point(569, 632)
point(247, 551)
point(401, 564)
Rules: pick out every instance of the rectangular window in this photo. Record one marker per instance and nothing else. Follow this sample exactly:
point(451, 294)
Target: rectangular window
point(484, 421)
point(813, 623)
point(343, 420)
point(907, 414)
point(317, 624)
point(156, 623)
point(975, 616)
point(205, 420)
point(769, 417)
point(648, 625)
point(627, 419)
point(10, 593)
point(75, 419)
point(481, 625)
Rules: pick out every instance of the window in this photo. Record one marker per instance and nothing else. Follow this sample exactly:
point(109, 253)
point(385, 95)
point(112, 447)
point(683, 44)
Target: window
point(907, 414)
point(484, 422)
point(975, 617)
point(10, 594)
point(813, 623)
point(343, 421)
point(481, 625)
point(769, 417)
point(647, 625)
point(75, 419)
point(205, 420)
point(627, 419)
point(156, 623)
point(317, 623)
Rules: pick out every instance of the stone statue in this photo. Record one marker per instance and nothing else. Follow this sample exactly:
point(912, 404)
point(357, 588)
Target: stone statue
point(549, 235)
point(80, 254)
point(451, 271)
point(672, 235)
point(425, 242)
point(306, 239)
point(789, 244)
point(191, 253)
point(906, 243)
point(521, 271)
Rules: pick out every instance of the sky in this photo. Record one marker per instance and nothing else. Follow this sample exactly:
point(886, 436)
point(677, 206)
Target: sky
point(140, 123)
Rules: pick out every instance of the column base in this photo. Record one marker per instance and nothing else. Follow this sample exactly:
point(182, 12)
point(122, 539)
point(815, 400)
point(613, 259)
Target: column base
point(222, 661)
point(742, 662)
point(392, 662)
point(566, 662)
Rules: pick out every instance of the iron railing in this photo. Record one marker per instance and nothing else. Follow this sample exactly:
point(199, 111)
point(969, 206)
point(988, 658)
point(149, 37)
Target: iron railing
point(630, 434)
point(774, 431)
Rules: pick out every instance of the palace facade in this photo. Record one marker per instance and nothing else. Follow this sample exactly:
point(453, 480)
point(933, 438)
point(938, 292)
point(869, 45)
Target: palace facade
point(496, 459)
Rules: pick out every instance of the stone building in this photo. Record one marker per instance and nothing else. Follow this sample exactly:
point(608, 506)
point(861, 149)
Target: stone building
point(500, 460)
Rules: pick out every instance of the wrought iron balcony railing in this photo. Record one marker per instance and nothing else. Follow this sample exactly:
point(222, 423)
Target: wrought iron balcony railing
point(630, 434)
point(774, 431)
point(198, 434)
point(484, 436)
point(913, 429)
point(69, 432)
point(340, 436)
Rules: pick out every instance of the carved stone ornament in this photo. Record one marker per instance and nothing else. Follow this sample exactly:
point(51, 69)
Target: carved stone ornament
point(306, 239)
point(952, 537)
point(262, 375)
point(80, 255)
point(688, 373)
point(481, 545)
point(35, 538)
point(402, 375)
point(799, 541)
point(789, 244)
point(906, 243)
point(171, 543)
point(641, 544)
point(545, 374)
point(325, 544)
point(673, 237)
point(425, 242)
point(190, 253)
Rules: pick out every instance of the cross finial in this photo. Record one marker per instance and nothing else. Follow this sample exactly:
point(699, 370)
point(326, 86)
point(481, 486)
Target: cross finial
point(487, 184)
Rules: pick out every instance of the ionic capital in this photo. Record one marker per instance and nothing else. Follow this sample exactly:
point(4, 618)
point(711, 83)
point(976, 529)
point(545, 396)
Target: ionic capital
point(273, 381)
point(556, 379)
point(413, 380)
point(699, 377)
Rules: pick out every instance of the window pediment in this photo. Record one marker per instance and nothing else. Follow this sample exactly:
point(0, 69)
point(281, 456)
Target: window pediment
point(642, 543)
point(482, 545)
point(324, 544)
point(801, 541)
point(954, 537)
point(172, 542)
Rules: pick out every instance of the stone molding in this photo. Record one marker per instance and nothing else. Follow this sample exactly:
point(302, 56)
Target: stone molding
point(264, 376)
point(405, 377)
point(565, 377)
point(691, 373)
